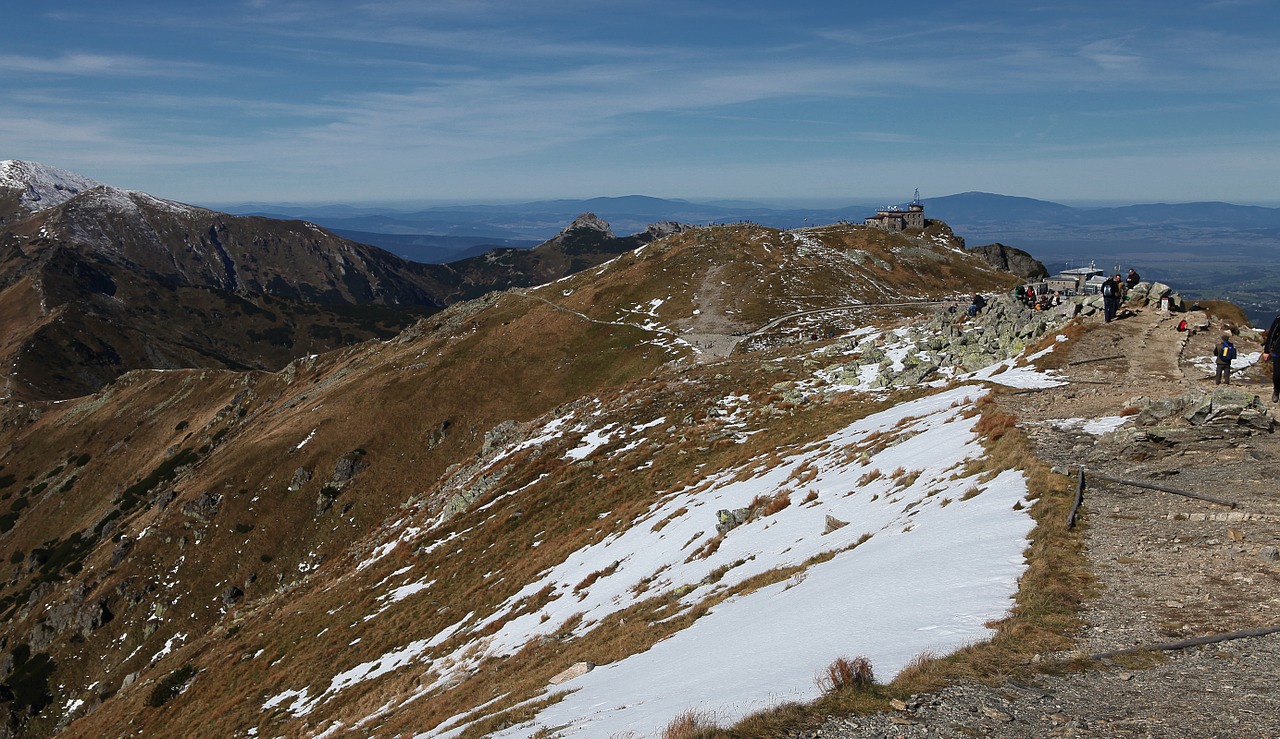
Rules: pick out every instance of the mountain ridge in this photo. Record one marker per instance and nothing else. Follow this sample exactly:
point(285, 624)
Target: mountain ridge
point(1214, 251)
point(114, 280)
point(250, 488)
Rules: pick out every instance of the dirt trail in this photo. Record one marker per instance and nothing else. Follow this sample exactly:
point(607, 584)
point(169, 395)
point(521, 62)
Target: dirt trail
point(1168, 567)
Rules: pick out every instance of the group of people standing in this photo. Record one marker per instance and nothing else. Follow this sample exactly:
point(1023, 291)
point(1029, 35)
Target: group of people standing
point(1114, 291)
point(1036, 301)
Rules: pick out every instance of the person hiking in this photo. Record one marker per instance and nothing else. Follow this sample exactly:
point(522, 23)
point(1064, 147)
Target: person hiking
point(1132, 279)
point(1270, 347)
point(1222, 357)
point(1110, 298)
point(977, 305)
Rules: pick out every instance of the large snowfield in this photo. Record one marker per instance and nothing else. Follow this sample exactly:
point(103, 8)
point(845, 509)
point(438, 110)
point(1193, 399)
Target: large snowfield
point(929, 578)
point(929, 554)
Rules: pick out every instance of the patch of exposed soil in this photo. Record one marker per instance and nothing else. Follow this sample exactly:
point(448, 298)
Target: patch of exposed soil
point(711, 331)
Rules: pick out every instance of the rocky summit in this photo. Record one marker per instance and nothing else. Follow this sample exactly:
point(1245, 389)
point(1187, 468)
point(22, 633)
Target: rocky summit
point(730, 480)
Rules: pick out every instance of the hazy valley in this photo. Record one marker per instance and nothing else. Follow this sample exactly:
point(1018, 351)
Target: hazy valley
point(1210, 250)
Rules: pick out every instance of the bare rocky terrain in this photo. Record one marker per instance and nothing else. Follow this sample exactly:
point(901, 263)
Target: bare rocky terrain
point(1169, 568)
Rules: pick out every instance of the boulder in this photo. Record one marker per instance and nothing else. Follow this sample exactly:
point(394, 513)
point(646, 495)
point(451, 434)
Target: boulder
point(347, 467)
point(232, 595)
point(663, 229)
point(833, 524)
point(914, 375)
point(121, 550)
point(203, 508)
point(301, 476)
point(728, 520)
point(1224, 406)
point(1153, 412)
point(577, 670)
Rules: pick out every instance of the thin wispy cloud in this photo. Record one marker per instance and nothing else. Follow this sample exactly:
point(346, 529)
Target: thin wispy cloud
point(516, 97)
point(99, 65)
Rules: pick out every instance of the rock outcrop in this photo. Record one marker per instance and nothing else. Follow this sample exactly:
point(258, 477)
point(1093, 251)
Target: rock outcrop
point(1011, 259)
point(949, 340)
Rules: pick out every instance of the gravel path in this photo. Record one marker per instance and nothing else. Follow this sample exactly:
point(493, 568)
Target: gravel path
point(1169, 567)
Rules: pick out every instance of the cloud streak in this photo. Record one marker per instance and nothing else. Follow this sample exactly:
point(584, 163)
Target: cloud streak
point(99, 65)
point(384, 88)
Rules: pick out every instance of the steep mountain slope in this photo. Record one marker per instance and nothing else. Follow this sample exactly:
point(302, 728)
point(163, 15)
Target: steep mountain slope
point(397, 534)
point(96, 281)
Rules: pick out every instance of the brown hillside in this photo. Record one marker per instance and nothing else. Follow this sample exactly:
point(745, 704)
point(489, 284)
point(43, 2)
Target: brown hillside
point(231, 527)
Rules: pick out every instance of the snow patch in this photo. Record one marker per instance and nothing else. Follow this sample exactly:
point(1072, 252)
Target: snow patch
point(43, 187)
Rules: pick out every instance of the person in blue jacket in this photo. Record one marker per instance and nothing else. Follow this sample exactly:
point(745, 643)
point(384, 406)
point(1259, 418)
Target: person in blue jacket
point(1222, 357)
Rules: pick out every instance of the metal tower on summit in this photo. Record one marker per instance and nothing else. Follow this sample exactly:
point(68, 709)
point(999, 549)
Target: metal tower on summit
point(893, 218)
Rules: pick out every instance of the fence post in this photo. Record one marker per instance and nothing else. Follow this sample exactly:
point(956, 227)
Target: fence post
point(1071, 517)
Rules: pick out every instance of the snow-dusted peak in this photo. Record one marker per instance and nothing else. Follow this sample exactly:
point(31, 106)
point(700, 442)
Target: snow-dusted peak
point(116, 200)
point(42, 186)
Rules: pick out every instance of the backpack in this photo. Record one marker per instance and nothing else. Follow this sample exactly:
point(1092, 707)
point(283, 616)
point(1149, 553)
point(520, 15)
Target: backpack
point(1226, 352)
point(1182, 325)
point(1108, 289)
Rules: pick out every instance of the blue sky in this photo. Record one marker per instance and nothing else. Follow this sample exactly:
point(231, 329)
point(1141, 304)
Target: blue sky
point(486, 100)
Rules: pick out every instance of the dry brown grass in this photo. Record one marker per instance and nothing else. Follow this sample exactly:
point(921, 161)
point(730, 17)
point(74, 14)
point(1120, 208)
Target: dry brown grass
point(591, 578)
point(659, 526)
point(907, 479)
point(846, 674)
point(777, 503)
point(692, 724)
point(995, 423)
point(708, 548)
point(804, 474)
point(1226, 311)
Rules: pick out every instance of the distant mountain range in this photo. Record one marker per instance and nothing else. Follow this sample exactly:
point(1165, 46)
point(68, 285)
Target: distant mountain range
point(975, 214)
point(1210, 249)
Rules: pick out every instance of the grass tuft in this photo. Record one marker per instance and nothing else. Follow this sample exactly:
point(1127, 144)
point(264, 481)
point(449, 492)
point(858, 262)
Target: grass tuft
point(691, 724)
point(846, 674)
